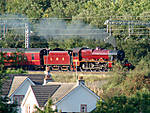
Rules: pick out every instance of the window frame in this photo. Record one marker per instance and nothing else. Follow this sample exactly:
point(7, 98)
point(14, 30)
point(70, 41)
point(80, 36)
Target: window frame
point(83, 106)
point(18, 99)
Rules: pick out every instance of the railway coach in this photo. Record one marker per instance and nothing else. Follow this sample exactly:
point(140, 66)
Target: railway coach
point(20, 57)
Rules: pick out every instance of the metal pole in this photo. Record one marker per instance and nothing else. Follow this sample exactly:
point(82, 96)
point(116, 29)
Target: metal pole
point(4, 34)
point(27, 35)
point(76, 71)
point(129, 30)
point(110, 31)
point(47, 58)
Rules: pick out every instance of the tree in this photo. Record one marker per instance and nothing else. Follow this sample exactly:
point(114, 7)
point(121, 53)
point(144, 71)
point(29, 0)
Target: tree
point(2, 6)
point(135, 49)
point(47, 108)
point(5, 105)
point(139, 103)
point(30, 8)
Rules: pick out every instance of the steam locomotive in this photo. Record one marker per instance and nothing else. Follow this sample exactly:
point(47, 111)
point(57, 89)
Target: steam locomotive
point(83, 59)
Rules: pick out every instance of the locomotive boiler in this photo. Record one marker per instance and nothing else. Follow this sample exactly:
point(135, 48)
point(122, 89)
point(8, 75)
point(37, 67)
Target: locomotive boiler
point(96, 59)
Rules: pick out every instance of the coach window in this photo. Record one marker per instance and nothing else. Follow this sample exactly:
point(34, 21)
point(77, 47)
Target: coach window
point(32, 56)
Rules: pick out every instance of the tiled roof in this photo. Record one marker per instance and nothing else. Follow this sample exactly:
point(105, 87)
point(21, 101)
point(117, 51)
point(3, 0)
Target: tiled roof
point(43, 92)
point(6, 86)
point(37, 79)
point(63, 90)
point(17, 81)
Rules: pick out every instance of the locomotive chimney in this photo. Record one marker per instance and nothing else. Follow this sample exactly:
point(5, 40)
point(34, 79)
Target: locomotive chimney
point(48, 77)
point(80, 80)
point(115, 48)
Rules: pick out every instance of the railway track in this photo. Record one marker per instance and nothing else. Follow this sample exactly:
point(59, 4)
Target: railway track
point(72, 73)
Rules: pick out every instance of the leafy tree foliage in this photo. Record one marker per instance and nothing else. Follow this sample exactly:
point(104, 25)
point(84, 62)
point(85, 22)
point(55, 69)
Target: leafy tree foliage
point(47, 108)
point(31, 8)
point(2, 6)
point(127, 91)
point(137, 103)
point(125, 83)
point(38, 42)
point(135, 49)
point(6, 107)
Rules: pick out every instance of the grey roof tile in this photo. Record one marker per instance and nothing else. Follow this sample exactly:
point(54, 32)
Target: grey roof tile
point(63, 90)
point(37, 79)
point(43, 92)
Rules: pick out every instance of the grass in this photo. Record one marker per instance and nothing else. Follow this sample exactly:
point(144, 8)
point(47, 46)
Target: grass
point(94, 81)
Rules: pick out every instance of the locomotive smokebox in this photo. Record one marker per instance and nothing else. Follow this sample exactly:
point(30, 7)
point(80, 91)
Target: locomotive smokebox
point(115, 48)
point(119, 53)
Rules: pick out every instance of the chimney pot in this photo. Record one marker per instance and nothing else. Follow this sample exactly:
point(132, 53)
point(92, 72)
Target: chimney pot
point(47, 77)
point(81, 80)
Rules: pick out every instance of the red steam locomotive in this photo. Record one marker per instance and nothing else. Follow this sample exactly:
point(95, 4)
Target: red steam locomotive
point(83, 59)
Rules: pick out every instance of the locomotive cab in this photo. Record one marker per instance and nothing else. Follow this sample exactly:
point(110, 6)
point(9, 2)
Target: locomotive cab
point(75, 57)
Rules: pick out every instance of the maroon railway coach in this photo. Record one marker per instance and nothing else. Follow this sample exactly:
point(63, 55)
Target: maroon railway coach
point(25, 58)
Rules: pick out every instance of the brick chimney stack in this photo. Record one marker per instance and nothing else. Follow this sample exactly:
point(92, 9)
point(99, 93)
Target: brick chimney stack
point(48, 77)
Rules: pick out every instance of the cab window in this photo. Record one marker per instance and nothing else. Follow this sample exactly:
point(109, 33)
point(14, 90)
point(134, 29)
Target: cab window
point(75, 54)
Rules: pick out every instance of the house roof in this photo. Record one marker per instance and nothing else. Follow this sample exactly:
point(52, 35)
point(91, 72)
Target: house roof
point(43, 92)
point(17, 81)
point(6, 86)
point(63, 90)
point(37, 79)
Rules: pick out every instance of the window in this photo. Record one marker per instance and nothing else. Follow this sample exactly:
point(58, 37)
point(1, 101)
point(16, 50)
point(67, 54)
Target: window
point(32, 56)
point(18, 99)
point(75, 54)
point(27, 109)
point(83, 108)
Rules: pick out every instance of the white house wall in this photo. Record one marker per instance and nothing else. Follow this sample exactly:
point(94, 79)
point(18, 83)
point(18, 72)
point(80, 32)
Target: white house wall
point(29, 101)
point(22, 90)
point(73, 101)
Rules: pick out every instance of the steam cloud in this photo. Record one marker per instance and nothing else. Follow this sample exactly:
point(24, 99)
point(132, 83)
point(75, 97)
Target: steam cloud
point(13, 22)
point(59, 28)
point(55, 28)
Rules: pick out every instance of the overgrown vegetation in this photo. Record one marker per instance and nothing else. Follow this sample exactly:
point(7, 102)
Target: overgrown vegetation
point(47, 109)
point(127, 92)
point(5, 105)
